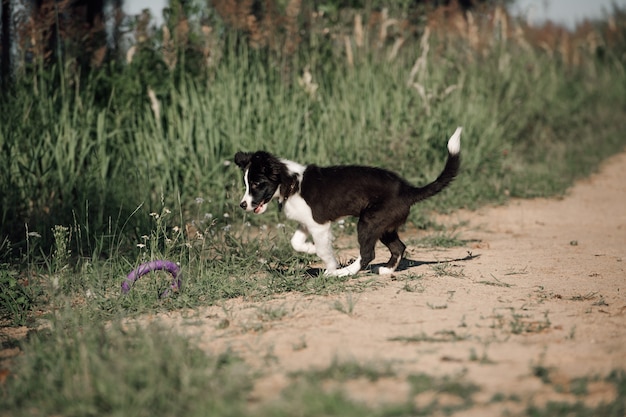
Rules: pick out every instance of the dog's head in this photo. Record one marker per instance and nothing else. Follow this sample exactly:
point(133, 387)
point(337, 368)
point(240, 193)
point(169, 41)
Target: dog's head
point(265, 177)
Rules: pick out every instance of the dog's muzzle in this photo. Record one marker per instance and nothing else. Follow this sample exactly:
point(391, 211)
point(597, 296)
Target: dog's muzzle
point(260, 208)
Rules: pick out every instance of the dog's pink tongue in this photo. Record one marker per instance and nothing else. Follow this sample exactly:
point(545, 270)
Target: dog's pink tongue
point(258, 208)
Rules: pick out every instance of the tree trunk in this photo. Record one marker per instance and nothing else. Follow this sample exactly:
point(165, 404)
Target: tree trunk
point(5, 57)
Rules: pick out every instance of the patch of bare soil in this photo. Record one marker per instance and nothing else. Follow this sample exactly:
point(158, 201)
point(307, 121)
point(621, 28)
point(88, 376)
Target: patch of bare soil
point(541, 303)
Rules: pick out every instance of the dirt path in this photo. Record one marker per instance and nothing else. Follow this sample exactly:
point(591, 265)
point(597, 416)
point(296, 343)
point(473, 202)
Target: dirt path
point(543, 303)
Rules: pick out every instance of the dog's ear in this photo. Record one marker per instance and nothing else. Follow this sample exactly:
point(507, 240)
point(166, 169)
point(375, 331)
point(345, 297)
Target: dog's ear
point(242, 159)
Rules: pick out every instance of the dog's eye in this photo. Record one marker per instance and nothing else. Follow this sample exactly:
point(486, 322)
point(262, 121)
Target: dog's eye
point(255, 184)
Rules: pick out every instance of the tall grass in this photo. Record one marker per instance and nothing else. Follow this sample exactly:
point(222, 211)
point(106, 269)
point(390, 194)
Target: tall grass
point(78, 153)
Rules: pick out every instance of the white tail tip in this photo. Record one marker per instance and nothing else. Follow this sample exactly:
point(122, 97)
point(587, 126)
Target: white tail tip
point(454, 144)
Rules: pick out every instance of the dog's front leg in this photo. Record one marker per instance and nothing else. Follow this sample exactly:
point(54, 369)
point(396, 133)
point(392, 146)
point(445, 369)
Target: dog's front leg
point(323, 239)
point(299, 243)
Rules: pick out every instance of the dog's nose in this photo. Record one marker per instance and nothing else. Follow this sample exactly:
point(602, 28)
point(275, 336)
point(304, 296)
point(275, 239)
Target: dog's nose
point(243, 205)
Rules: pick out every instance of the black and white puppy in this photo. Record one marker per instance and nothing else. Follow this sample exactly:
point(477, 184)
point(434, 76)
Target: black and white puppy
point(315, 196)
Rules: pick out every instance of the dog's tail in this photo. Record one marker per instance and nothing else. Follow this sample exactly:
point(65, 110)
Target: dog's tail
point(447, 175)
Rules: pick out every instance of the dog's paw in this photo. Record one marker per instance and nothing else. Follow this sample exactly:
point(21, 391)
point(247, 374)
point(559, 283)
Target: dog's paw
point(383, 270)
point(351, 269)
point(306, 247)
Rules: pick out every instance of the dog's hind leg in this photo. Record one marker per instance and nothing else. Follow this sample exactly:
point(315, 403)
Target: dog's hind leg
point(368, 234)
point(396, 247)
point(299, 243)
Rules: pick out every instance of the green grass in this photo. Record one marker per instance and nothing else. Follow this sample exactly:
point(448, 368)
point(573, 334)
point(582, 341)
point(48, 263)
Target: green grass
point(80, 368)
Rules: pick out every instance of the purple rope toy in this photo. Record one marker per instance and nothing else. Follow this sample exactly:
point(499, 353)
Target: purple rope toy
point(158, 265)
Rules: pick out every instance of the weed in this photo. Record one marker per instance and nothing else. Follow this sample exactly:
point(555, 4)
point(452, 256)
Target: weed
point(346, 307)
point(62, 252)
point(346, 370)
point(572, 333)
point(482, 359)
point(441, 240)
point(409, 287)
point(446, 269)
point(495, 283)
point(300, 345)
point(268, 313)
point(16, 299)
point(542, 372)
point(440, 336)
point(452, 385)
point(521, 323)
point(584, 297)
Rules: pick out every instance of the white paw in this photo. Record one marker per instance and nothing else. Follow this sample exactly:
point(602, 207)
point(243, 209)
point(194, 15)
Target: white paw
point(383, 270)
point(351, 269)
point(343, 272)
point(305, 248)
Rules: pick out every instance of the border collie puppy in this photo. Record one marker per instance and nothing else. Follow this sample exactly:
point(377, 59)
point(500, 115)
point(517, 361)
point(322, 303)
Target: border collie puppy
point(315, 196)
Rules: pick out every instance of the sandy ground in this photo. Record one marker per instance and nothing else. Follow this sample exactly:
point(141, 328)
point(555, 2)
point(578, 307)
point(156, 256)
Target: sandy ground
point(545, 291)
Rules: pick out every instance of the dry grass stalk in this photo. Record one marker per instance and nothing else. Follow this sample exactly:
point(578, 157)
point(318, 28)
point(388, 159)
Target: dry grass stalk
point(358, 30)
point(130, 53)
point(348, 45)
point(168, 49)
point(521, 39)
point(208, 45)
point(472, 32)
point(306, 82)
point(501, 23)
point(397, 44)
point(425, 98)
point(154, 104)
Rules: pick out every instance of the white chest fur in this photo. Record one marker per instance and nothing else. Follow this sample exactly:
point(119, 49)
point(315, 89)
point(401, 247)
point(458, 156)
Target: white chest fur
point(297, 209)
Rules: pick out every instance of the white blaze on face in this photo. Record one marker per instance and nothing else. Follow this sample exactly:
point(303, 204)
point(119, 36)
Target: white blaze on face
point(247, 198)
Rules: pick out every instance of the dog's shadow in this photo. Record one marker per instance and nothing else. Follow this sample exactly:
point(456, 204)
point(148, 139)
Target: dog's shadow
point(404, 265)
